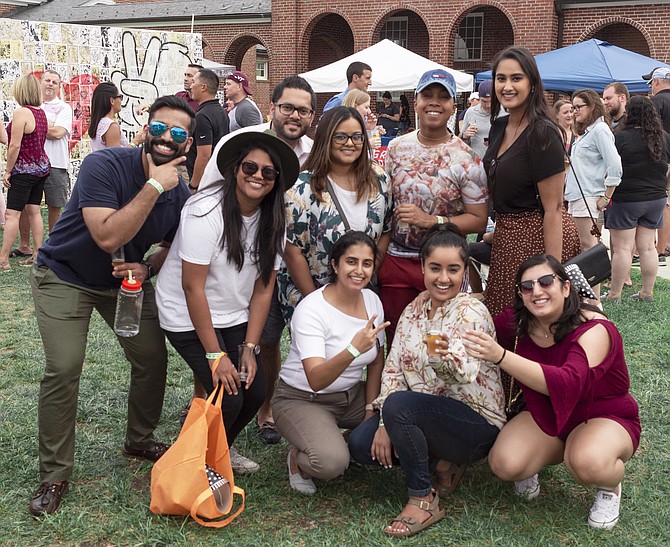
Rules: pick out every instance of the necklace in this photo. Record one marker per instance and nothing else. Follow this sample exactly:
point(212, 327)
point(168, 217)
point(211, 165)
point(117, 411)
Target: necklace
point(423, 138)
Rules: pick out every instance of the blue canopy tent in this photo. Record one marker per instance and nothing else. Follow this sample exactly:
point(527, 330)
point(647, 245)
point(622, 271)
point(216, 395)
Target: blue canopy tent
point(592, 64)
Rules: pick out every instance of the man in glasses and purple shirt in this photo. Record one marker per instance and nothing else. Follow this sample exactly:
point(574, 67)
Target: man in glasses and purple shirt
point(124, 197)
point(291, 115)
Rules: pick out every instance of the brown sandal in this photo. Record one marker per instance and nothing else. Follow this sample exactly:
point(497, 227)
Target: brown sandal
point(448, 476)
point(413, 526)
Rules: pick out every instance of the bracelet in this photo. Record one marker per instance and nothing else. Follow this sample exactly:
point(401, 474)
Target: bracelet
point(190, 187)
point(440, 220)
point(157, 185)
point(501, 359)
point(354, 352)
point(215, 355)
point(381, 422)
point(369, 407)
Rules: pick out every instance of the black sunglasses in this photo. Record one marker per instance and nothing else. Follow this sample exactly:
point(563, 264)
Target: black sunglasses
point(251, 168)
point(179, 135)
point(546, 281)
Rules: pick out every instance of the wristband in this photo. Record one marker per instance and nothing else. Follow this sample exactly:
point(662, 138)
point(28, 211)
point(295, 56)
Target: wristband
point(440, 220)
point(157, 185)
point(354, 352)
point(215, 355)
point(381, 422)
point(190, 187)
point(369, 407)
point(132, 144)
point(501, 359)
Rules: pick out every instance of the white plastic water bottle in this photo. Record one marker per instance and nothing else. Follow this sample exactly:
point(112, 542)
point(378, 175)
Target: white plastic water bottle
point(129, 307)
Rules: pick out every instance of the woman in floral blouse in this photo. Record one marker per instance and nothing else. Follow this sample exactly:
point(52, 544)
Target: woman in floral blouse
point(340, 190)
point(443, 411)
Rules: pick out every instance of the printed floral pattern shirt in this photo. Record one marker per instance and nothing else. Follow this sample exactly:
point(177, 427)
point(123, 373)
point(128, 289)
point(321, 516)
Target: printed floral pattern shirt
point(315, 226)
point(474, 382)
point(438, 179)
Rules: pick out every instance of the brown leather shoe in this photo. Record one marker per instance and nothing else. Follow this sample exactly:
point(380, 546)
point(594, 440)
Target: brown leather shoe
point(151, 453)
point(47, 498)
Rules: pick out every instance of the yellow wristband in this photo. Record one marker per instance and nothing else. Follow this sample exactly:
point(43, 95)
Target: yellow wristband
point(440, 220)
point(354, 352)
point(156, 185)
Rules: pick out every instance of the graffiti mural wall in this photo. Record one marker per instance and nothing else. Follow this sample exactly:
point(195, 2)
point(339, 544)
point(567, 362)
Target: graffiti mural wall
point(144, 64)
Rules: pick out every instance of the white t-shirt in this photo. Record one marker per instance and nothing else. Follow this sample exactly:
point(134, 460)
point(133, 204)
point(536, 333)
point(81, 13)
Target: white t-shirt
point(198, 241)
point(318, 329)
point(356, 212)
point(58, 113)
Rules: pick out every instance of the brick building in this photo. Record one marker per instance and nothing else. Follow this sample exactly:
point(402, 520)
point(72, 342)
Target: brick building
point(275, 38)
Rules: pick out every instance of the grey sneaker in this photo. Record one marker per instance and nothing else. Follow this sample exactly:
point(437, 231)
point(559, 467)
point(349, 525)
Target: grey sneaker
point(528, 488)
point(605, 509)
point(240, 464)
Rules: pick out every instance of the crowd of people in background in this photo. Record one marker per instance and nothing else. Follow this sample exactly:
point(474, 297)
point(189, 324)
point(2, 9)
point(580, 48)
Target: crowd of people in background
point(258, 227)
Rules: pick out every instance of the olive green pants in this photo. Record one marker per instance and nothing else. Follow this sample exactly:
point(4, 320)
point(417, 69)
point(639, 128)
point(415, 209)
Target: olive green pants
point(63, 312)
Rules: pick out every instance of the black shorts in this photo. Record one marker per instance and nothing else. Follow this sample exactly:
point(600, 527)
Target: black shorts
point(25, 190)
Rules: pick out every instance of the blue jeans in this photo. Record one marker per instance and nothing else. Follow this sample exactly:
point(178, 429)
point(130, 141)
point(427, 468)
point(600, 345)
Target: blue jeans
point(424, 428)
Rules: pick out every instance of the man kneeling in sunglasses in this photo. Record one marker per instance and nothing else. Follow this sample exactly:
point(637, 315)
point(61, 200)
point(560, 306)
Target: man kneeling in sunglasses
point(125, 199)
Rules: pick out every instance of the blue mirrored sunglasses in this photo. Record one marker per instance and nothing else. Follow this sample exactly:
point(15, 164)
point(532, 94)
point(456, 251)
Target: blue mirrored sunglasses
point(179, 135)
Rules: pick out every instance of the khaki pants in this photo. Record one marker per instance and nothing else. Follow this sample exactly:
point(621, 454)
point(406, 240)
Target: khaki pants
point(63, 313)
point(311, 422)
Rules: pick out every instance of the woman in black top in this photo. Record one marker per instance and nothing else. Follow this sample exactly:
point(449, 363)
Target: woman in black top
point(637, 206)
point(524, 163)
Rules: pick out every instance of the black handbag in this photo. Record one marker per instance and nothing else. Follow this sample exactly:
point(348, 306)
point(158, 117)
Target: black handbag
point(594, 263)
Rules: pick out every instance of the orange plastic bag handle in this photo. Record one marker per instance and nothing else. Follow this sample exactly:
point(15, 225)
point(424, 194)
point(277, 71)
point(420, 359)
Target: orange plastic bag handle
point(215, 523)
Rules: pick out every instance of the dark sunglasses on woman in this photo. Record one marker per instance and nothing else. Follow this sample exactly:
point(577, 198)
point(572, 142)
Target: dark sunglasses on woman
point(546, 281)
point(250, 168)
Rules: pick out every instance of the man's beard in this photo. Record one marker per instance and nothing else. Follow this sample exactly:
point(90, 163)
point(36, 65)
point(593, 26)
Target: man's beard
point(158, 158)
point(287, 137)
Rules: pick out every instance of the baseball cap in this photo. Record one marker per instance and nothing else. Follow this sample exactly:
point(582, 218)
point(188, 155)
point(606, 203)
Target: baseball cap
point(473, 95)
point(485, 89)
point(437, 76)
point(660, 72)
point(241, 78)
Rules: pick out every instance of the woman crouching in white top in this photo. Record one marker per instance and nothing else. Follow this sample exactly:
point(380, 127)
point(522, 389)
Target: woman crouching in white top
point(336, 332)
point(215, 288)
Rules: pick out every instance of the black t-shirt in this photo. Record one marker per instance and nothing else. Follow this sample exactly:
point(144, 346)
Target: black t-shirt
point(211, 123)
point(108, 178)
point(392, 110)
point(537, 154)
point(662, 103)
point(642, 179)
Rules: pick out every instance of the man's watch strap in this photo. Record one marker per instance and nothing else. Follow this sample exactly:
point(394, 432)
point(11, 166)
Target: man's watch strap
point(150, 269)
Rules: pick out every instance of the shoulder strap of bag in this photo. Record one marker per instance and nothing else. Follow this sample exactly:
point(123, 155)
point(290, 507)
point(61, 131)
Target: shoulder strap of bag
point(336, 202)
point(596, 230)
point(215, 523)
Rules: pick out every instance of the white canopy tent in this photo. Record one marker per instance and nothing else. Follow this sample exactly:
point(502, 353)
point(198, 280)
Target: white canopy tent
point(394, 68)
point(219, 69)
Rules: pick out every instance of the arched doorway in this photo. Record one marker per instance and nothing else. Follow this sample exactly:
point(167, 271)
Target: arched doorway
point(330, 39)
point(625, 36)
point(249, 54)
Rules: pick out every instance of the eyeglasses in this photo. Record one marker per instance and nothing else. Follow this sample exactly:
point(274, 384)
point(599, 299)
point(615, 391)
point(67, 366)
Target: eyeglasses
point(546, 281)
point(251, 168)
point(287, 109)
point(342, 138)
point(119, 96)
point(577, 107)
point(179, 135)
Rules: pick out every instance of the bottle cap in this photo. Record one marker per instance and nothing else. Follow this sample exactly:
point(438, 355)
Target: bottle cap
point(131, 284)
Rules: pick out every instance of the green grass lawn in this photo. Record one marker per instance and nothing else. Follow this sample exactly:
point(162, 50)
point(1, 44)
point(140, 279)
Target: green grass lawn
point(108, 503)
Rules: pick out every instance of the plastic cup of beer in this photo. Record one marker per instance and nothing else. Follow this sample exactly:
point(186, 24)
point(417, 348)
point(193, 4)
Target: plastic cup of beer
point(118, 257)
point(432, 335)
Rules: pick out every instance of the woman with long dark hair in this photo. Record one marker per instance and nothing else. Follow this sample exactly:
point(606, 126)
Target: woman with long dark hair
point(214, 290)
point(435, 412)
point(526, 172)
point(104, 129)
point(569, 360)
point(340, 189)
point(596, 166)
point(336, 332)
point(638, 203)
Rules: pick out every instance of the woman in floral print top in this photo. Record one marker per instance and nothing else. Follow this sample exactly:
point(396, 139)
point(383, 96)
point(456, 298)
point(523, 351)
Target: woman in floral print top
point(339, 163)
point(441, 411)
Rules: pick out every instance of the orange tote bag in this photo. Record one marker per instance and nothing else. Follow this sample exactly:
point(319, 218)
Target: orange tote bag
point(194, 476)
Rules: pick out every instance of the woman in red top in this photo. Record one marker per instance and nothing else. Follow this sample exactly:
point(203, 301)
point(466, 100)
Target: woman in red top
point(27, 166)
point(569, 361)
